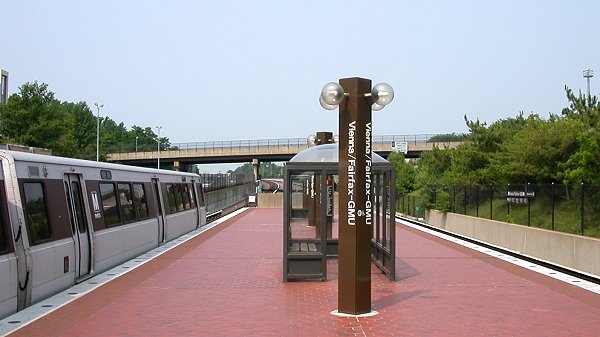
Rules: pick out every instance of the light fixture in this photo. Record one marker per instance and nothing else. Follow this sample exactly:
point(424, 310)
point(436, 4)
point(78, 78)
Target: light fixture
point(325, 105)
point(333, 93)
point(382, 94)
point(376, 107)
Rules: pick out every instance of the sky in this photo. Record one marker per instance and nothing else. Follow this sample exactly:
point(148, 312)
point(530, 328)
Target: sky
point(241, 70)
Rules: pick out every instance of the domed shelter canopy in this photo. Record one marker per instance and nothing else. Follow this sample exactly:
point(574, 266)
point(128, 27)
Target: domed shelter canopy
point(327, 153)
point(312, 205)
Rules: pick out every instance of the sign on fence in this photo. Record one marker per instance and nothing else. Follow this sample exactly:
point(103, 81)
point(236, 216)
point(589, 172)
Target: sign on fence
point(519, 197)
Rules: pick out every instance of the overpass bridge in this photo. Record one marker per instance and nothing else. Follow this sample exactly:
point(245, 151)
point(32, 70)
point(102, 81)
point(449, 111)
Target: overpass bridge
point(265, 150)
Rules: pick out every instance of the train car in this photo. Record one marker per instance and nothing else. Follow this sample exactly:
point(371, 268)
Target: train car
point(64, 220)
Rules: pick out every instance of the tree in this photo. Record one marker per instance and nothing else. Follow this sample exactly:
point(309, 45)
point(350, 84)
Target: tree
point(267, 170)
point(433, 167)
point(537, 152)
point(405, 173)
point(449, 137)
point(583, 165)
point(81, 130)
point(33, 117)
point(146, 139)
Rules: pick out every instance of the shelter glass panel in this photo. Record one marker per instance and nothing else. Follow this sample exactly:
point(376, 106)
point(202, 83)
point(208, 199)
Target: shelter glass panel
point(333, 231)
point(304, 226)
point(388, 216)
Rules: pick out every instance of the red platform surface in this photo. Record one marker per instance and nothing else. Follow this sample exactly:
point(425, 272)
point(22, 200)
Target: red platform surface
point(228, 282)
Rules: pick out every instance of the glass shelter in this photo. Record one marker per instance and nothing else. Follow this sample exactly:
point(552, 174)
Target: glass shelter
point(311, 208)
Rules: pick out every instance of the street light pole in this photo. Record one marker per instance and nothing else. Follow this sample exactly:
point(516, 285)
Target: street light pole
point(136, 140)
point(98, 106)
point(158, 142)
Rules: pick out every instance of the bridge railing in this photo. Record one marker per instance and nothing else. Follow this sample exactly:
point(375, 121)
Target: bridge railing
point(283, 143)
point(229, 144)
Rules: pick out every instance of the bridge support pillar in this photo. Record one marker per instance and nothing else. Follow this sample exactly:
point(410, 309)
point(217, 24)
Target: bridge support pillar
point(256, 167)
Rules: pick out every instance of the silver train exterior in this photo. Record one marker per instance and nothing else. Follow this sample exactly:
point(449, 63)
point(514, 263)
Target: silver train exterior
point(64, 220)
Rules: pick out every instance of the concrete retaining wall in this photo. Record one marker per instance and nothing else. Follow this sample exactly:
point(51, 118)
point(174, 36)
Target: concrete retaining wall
point(270, 200)
point(570, 251)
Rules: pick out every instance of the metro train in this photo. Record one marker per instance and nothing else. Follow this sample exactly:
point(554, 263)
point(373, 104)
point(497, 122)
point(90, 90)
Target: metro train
point(65, 220)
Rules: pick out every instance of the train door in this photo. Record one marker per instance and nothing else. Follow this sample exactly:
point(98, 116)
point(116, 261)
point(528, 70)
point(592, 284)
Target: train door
point(160, 214)
point(194, 198)
point(79, 225)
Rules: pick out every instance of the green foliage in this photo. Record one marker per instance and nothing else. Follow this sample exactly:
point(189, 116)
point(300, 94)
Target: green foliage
point(442, 201)
point(267, 170)
point(81, 129)
point(34, 117)
point(583, 166)
point(432, 167)
point(449, 137)
point(523, 149)
point(536, 153)
point(405, 173)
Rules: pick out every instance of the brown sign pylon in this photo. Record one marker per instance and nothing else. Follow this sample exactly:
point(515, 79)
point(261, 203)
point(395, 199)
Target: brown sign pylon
point(355, 190)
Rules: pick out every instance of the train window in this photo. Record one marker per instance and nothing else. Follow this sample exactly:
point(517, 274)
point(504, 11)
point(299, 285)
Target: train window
point(171, 197)
point(185, 191)
point(139, 197)
point(109, 204)
point(178, 199)
point(192, 195)
point(36, 214)
point(126, 201)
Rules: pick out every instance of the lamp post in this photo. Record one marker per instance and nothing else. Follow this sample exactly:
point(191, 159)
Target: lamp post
point(98, 106)
point(136, 142)
point(158, 141)
point(356, 100)
point(588, 74)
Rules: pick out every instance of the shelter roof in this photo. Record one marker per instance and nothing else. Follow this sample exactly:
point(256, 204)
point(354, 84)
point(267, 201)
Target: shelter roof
point(326, 153)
